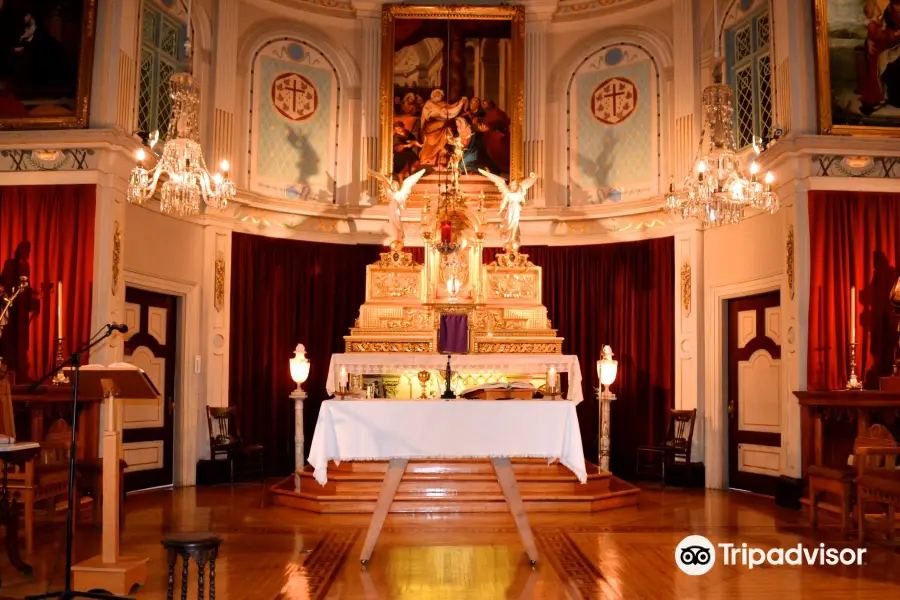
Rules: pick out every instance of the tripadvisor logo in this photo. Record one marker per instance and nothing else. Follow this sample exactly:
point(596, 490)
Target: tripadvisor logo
point(696, 555)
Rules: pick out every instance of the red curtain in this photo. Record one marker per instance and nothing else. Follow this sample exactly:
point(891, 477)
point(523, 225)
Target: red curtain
point(854, 241)
point(47, 235)
point(620, 294)
point(284, 292)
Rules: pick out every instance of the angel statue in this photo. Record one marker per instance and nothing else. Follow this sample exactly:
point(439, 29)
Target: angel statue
point(511, 205)
point(397, 194)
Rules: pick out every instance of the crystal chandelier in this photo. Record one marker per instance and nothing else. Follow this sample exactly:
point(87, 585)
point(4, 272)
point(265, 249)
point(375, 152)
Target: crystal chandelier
point(187, 179)
point(716, 191)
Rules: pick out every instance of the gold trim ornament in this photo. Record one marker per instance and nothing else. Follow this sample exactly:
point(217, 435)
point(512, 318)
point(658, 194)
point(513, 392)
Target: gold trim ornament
point(116, 257)
point(219, 300)
point(789, 267)
point(686, 287)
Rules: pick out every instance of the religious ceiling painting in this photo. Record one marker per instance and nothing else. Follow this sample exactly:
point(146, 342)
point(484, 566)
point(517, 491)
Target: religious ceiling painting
point(614, 127)
point(455, 73)
point(46, 58)
point(858, 66)
point(294, 120)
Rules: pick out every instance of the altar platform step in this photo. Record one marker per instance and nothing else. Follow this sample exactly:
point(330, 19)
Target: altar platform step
point(454, 486)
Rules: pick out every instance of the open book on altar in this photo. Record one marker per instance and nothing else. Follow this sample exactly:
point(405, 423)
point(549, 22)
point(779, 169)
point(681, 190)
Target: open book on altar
point(514, 390)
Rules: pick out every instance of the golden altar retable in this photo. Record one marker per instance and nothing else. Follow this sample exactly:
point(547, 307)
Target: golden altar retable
point(405, 299)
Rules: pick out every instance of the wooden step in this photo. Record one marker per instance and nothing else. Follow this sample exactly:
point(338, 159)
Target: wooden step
point(454, 486)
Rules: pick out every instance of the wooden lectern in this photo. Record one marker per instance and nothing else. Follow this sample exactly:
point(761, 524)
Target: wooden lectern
point(110, 571)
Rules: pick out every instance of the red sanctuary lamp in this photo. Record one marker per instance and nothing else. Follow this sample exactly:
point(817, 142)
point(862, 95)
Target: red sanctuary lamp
point(446, 231)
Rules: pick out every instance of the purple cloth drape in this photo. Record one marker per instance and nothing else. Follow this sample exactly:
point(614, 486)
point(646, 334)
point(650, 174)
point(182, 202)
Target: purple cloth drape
point(453, 337)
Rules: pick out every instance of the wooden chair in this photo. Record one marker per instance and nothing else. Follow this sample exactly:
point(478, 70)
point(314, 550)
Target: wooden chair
point(840, 481)
point(45, 480)
point(679, 437)
point(225, 440)
point(878, 481)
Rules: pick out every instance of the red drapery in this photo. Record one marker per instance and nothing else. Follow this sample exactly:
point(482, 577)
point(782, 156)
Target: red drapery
point(854, 241)
point(46, 234)
point(287, 291)
point(620, 294)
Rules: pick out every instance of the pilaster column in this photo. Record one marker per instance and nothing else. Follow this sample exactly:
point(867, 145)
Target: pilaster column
point(687, 117)
point(689, 328)
point(535, 101)
point(115, 70)
point(371, 104)
point(298, 397)
point(224, 100)
point(215, 316)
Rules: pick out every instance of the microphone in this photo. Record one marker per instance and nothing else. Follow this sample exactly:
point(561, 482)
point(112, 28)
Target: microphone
point(123, 328)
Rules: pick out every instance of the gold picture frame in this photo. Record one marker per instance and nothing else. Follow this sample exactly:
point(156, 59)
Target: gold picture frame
point(83, 75)
point(825, 88)
point(391, 13)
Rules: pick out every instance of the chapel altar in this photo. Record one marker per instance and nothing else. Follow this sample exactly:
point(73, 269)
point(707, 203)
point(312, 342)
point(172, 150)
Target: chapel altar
point(437, 329)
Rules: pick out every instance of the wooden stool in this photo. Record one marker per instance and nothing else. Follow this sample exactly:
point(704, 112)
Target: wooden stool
point(204, 547)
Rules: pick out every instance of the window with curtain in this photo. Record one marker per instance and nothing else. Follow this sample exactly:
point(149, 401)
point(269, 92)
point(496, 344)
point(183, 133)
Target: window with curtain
point(748, 67)
point(163, 33)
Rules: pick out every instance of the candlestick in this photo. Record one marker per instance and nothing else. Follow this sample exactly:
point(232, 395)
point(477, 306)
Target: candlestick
point(853, 383)
point(59, 311)
point(551, 379)
point(853, 315)
point(344, 378)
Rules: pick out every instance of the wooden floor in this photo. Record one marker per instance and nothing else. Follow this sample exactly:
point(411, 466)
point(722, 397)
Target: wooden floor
point(272, 552)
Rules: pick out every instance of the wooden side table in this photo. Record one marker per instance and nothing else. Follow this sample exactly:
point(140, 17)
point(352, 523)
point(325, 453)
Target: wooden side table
point(18, 453)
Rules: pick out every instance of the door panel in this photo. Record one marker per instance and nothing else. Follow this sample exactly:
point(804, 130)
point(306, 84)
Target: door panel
point(147, 424)
point(754, 392)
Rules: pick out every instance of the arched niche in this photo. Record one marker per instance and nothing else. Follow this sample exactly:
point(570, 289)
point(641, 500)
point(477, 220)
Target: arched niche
point(295, 112)
point(614, 126)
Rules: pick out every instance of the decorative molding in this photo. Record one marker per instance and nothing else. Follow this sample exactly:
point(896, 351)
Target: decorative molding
point(789, 266)
point(882, 167)
point(219, 296)
point(686, 288)
point(568, 10)
point(116, 257)
point(58, 159)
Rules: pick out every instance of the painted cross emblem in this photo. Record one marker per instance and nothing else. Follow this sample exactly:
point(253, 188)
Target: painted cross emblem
point(294, 96)
point(614, 100)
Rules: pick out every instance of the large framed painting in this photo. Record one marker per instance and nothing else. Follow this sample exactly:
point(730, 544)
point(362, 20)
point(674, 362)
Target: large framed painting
point(46, 60)
point(858, 66)
point(458, 71)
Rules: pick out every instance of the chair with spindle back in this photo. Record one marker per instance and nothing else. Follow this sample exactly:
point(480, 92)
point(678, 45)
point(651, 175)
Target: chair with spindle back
point(840, 481)
point(225, 440)
point(877, 481)
point(679, 437)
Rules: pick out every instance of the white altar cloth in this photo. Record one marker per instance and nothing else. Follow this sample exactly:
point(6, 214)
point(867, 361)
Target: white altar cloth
point(386, 429)
point(377, 363)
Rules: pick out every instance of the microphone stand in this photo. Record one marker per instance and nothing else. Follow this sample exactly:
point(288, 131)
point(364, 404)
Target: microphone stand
point(75, 362)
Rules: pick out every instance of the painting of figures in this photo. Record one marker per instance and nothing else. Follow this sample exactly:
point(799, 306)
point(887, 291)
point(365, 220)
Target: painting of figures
point(858, 52)
point(46, 53)
point(453, 79)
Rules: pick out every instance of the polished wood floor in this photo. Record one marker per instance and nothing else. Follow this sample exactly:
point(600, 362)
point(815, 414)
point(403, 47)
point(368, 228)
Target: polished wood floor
point(278, 553)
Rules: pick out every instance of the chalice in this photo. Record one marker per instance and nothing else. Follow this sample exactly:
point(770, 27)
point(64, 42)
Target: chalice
point(424, 376)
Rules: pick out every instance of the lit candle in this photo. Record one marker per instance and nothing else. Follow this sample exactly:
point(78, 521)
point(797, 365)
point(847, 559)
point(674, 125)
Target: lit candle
point(344, 378)
point(59, 303)
point(446, 231)
point(853, 314)
point(551, 378)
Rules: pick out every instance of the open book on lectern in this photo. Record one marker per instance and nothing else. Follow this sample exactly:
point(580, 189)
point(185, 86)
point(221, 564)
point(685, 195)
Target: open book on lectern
point(130, 381)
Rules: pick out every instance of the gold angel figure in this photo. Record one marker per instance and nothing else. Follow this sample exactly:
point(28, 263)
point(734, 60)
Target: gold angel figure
point(511, 204)
point(397, 194)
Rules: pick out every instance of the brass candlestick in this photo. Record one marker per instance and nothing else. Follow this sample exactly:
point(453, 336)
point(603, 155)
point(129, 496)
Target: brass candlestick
point(343, 391)
point(60, 377)
point(853, 383)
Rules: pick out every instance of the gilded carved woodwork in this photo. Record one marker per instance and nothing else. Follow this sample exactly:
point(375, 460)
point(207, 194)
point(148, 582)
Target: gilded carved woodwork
point(394, 285)
point(789, 268)
point(219, 296)
point(511, 285)
point(686, 288)
point(116, 257)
